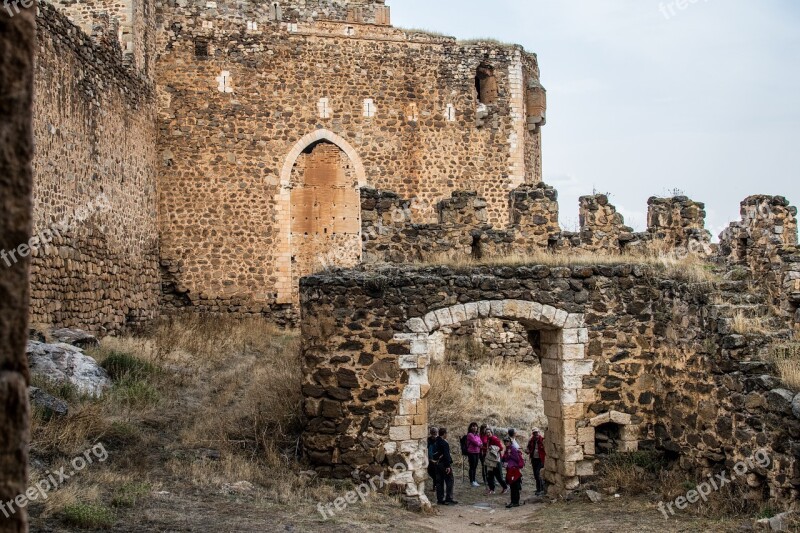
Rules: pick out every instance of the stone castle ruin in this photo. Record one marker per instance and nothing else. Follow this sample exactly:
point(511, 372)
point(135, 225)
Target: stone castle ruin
point(301, 160)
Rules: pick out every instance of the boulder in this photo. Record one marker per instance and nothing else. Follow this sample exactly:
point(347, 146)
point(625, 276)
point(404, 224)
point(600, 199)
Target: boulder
point(796, 406)
point(49, 404)
point(75, 337)
point(780, 401)
point(594, 497)
point(63, 363)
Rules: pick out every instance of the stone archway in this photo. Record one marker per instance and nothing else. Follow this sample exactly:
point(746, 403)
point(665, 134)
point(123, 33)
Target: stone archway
point(318, 209)
point(564, 364)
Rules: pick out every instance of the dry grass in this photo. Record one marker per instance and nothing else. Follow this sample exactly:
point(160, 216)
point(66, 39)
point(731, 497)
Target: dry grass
point(685, 267)
point(727, 502)
point(500, 394)
point(744, 325)
point(211, 402)
point(786, 359)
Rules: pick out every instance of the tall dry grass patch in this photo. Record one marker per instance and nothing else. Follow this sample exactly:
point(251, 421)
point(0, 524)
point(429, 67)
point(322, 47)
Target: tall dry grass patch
point(211, 401)
point(786, 359)
point(500, 394)
point(745, 325)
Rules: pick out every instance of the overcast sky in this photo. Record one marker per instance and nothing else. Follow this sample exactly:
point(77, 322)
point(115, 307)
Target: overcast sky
point(705, 99)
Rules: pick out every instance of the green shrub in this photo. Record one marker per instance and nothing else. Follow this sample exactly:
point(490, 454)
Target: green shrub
point(135, 394)
point(89, 516)
point(121, 366)
point(127, 495)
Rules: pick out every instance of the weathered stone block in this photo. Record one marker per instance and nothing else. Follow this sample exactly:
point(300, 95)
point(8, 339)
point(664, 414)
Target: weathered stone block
point(584, 468)
point(458, 313)
point(417, 325)
point(419, 432)
point(399, 433)
point(498, 309)
point(444, 317)
point(573, 351)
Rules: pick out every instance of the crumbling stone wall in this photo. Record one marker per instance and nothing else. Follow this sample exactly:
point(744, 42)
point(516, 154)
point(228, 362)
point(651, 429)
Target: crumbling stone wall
point(391, 232)
point(678, 222)
point(128, 25)
point(95, 184)
point(620, 345)
point(17, 45)
point(402, 105)
point(765, 242)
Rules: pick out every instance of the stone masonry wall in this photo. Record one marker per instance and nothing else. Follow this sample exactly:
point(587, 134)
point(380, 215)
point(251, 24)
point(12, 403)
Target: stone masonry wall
point(94, 184)
point(765, 241)
point(651, 359)
point(17, 45)
point(242, 94)
point(391, 232)
point(129, 25)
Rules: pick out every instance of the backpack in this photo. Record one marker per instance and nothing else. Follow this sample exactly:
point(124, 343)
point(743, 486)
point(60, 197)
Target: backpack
point(493, 456)
point(463, 442)
point(432, 452)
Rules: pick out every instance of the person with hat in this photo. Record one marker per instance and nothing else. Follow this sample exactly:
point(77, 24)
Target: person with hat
point(535, 450)
point(514, 462)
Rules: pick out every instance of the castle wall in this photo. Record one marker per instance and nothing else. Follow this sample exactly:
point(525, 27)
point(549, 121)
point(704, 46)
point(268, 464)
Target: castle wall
point(238, 90)
point(131, 23)
point(621, 344)
point(17, 46)
point(94, 184)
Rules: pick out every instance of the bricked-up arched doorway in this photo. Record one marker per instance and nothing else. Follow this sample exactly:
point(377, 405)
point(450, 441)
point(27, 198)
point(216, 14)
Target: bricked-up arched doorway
point(564, 364)
point(319, 209)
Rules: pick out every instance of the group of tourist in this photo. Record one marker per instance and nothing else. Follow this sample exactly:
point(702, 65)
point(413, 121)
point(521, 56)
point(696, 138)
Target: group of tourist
point(482, 447)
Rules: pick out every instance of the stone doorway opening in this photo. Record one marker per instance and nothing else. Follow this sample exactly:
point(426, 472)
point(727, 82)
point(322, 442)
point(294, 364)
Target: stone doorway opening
point(561, 339)
point(318, 209)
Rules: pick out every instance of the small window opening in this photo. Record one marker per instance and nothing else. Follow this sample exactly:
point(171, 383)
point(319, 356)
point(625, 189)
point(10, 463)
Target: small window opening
point(606, 438)
point(201, 48)
point(486, 85)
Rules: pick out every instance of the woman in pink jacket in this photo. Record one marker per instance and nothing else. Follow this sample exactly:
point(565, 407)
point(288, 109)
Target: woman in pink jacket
point(474, 445)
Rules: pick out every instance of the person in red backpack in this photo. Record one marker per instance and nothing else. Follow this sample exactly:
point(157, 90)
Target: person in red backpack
point(536, 452)
point(492, 453)
point(514, 462)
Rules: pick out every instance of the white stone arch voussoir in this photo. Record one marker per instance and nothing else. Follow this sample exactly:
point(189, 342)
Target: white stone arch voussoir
point(322, 135)
point(564, 338)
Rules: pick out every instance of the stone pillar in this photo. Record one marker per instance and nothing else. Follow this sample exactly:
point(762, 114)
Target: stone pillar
point(463, 207)
point(534, 214)
point(602, 228)
point(17, 41)
point(679, 223)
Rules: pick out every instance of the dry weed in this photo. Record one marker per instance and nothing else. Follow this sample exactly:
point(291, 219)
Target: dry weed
point(691, 268)
point(744, 325)
point(786, 359)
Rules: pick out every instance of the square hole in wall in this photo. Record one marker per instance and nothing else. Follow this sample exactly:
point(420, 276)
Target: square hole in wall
point(201, 48)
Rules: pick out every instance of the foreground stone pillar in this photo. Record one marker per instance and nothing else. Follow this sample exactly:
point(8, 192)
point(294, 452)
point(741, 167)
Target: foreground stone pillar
point(17, 41)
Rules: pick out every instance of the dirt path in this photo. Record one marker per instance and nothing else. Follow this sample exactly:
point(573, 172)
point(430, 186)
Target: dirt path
point(478, 511)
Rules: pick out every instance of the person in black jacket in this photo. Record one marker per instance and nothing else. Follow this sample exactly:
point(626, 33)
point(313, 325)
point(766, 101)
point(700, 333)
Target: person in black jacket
point(444, 470)
point(433, 436)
